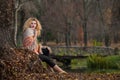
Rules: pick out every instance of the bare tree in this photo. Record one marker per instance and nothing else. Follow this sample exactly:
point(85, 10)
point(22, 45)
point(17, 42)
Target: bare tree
point(104, 10)
point(18, 6)
point(115, 28)
point(83, 11)
point(7, 23)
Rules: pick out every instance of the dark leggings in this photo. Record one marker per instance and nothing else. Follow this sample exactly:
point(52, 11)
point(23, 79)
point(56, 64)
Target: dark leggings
point(46, 58)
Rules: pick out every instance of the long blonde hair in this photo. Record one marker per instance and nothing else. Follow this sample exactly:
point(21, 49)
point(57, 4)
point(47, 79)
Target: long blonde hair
point(28, 22)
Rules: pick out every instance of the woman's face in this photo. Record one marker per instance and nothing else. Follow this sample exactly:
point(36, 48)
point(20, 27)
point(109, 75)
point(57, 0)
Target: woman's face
point(33, 24)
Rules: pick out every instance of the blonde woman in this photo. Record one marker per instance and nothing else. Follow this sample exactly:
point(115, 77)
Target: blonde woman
point(31, 30)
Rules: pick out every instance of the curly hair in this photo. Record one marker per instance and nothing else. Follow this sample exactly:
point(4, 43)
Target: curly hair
point(28, 22)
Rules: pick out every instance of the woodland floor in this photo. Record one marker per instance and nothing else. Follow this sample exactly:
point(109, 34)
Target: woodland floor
point(19, 64)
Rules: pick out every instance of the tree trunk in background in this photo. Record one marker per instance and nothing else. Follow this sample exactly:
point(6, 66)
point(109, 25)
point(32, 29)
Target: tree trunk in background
point(105, 29)
point(116, 21)
point(85, 24)
point(6, 23)
point(85, 33)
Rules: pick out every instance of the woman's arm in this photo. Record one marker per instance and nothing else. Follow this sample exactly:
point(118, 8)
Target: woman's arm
point(27, 41)
point(28, 37)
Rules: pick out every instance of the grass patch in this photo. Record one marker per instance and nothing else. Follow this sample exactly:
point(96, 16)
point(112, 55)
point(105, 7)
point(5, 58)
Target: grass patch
point(109, 64)
point(78, 63)
point(99, 62)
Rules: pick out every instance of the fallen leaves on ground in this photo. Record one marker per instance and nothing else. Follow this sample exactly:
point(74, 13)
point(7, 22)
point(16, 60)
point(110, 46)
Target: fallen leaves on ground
point(21, 64)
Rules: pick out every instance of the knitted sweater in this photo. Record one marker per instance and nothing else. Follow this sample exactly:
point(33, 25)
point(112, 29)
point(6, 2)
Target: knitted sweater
point(28, 41)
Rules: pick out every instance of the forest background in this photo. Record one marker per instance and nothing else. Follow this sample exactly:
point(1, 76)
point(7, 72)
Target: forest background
point(64, 22)
point(72, 22)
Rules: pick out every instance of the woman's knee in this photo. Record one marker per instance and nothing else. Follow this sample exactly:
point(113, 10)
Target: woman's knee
point(47, 59)
point(46, 51)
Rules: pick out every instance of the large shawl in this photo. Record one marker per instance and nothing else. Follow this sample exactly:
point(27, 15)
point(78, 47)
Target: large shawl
point(28, 41)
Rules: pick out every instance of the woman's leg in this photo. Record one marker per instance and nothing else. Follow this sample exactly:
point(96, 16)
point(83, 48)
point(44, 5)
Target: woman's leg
point(46, 51)
point(58, 69)
point(47, 59)
point(50, 62)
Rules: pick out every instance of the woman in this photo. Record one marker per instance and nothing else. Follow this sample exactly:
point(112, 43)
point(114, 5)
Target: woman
point(31, 30)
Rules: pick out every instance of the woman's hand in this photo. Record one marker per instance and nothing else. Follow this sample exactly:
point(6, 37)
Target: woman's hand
point(36, 51)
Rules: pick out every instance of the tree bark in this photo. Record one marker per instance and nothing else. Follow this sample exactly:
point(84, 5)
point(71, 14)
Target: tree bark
point(7, 23)
point(115, 28)
point(85, 24)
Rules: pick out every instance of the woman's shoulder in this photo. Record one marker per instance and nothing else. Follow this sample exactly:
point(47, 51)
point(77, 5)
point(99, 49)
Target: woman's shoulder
point(28, 32)
point(29, 29)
